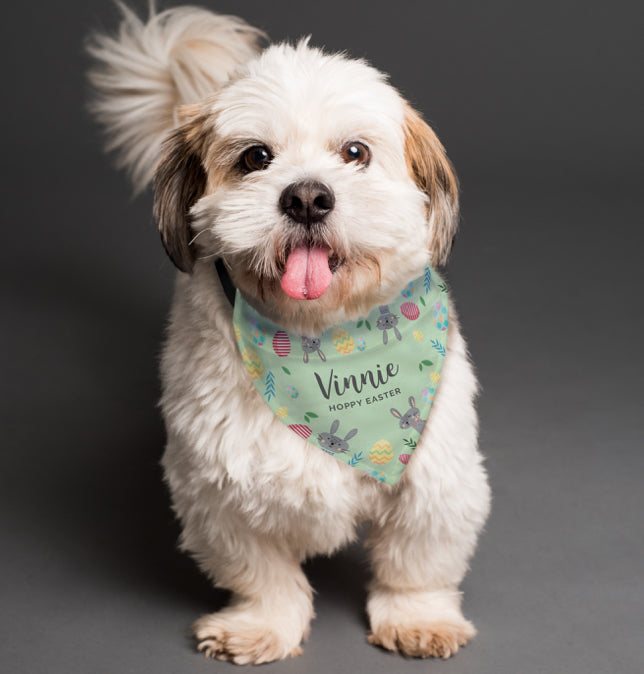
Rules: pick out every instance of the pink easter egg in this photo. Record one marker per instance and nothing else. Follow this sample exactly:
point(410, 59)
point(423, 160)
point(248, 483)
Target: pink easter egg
point(404, 458)
point(281, 344)
point(409, 310)
point(301, 430)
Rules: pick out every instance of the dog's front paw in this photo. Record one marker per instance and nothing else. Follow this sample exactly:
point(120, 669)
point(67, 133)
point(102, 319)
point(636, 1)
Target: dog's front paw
point(432, 640)
point(244, 638)
point(418, 624)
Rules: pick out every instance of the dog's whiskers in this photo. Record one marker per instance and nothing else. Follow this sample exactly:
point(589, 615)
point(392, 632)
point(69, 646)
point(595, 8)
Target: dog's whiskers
point(207, 257)
point(196, 236)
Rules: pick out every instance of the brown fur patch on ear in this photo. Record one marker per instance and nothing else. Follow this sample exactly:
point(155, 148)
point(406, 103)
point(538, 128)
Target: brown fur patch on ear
point(434, 175)
point(179, 181)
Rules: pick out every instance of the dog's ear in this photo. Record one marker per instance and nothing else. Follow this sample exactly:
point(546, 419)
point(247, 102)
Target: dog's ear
point(434, 175)
point(179, 181)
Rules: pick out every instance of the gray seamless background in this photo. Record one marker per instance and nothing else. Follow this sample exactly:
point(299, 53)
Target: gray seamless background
point(540, 107)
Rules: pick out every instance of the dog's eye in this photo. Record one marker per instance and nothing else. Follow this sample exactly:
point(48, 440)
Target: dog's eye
point(355, 151)
point(256, 158)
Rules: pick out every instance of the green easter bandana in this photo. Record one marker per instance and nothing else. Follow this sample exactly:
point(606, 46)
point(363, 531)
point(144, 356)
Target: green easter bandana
point(361, 391)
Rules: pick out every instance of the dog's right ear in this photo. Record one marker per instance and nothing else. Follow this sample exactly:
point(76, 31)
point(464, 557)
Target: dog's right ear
point(179, 181)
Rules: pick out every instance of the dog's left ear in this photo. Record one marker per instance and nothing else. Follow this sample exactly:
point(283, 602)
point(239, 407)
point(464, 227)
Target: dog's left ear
point(179, 181)
point(434, 175)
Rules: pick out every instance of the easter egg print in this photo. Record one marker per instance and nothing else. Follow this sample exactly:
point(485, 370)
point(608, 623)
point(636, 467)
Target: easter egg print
point(292, 391)
point(361, 345)
point(435, 376)
point(418, 335)
point(255, 331)
point(252, 363)
point(301, 430)
point(404, 458)
point(439, 316)
point(281, 344)
point(377, 474)
point(382, 452)
point(408, 290)
point(282, 412)
point(342, 341)
point(237, 332)
point(428, 395)
point(409, 310)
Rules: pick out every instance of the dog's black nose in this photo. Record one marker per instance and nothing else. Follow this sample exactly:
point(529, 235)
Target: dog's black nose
point(307, 201)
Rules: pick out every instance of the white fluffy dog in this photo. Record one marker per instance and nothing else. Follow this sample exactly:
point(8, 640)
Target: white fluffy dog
point(225, 126)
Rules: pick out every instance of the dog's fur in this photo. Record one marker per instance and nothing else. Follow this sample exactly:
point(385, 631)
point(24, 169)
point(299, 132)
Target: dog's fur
point(253, 498)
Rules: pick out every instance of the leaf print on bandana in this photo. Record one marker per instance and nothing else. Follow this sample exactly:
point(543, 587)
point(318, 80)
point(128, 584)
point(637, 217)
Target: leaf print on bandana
point(438, 346)
point(426, 363)
point(356, 458)
point(269, 392)
point(427, 280)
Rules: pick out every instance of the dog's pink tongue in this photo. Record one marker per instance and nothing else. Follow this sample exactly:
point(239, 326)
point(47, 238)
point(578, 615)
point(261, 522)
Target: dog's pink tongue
point(307, 274)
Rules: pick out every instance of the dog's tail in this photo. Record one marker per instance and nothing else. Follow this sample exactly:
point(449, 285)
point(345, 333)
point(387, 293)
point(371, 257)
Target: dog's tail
point(179, 56)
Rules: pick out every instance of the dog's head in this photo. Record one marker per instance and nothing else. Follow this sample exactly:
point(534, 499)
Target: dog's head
point(312, 178)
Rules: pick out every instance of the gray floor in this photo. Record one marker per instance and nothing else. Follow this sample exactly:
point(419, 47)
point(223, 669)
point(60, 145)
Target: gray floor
point(548, 276)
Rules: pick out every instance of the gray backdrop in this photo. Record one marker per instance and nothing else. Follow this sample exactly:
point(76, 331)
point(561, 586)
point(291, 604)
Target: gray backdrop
point(540, 107)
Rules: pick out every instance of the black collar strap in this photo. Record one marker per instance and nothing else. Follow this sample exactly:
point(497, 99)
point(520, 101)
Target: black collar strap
point(225, 280)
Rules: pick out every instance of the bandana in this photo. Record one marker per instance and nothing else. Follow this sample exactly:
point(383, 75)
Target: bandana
point(362, 390)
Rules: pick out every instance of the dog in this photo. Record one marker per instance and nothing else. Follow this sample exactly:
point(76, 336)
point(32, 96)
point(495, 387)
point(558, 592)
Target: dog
point(321, 192)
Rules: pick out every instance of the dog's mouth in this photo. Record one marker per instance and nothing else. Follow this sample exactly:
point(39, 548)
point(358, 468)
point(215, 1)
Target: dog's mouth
point(308, 271)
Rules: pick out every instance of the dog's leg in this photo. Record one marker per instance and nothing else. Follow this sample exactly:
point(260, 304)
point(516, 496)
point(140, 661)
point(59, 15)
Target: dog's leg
point(426, 530)
point(420, 548)
point(271, 609)
point(414, 602)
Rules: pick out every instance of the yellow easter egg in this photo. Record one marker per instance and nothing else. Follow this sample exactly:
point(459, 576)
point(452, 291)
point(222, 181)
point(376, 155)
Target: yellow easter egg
point(342, 341)
point(418, 335)
point(237, 332)
point(435, 376)
point(253, 363)
point(382, 452)
point(282, 412)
